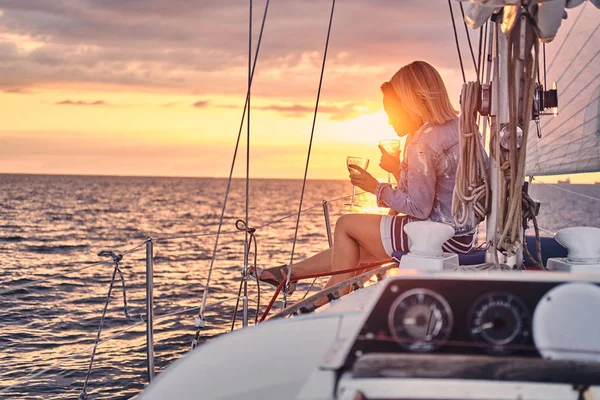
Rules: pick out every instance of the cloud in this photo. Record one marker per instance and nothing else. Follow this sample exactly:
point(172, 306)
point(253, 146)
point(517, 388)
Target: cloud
point(201, 104)
point(17, 91)
point(336, 113)
point(202, 45)
point(81, 103)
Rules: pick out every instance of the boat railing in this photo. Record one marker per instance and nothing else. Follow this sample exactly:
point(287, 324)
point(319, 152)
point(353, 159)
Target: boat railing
point(148, 319)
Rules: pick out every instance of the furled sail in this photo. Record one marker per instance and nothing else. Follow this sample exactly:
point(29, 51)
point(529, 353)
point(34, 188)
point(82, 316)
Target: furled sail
point(570, 141)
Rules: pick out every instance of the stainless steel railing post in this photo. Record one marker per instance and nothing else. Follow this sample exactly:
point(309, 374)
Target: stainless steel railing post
point(150, 307)
point(327, 223)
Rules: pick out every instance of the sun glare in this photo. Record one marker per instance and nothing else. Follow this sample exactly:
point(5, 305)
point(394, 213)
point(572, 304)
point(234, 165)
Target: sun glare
point(367, 128)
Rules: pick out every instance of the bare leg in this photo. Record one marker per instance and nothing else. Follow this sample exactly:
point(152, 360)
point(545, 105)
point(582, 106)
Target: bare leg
point(357, 239)
point(321, 263)
point(355, 234)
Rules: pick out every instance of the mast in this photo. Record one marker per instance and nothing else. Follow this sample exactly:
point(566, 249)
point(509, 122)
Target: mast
point(512, 83)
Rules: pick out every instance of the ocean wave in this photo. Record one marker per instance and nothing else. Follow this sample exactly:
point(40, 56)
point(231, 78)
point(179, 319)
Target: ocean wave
point(58, 249)
point(12, 238)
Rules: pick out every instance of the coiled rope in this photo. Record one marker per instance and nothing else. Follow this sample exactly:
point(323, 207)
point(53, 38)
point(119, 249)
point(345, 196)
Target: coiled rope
point(470, 201)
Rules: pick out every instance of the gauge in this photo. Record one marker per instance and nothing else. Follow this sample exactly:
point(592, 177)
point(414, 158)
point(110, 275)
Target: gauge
point(499, 319)
point(420, 320)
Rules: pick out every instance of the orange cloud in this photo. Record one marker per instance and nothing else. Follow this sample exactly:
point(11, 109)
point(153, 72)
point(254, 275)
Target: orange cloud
point(81, 103)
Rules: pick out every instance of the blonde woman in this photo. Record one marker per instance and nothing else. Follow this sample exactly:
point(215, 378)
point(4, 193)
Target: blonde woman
point(417, 105)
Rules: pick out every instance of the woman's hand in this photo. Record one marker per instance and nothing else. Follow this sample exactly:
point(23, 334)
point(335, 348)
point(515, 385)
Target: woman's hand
point(389, 162)
point(363, 179)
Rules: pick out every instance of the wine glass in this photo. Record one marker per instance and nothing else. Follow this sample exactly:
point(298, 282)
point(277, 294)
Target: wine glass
point(359, 162)
point(392, 147)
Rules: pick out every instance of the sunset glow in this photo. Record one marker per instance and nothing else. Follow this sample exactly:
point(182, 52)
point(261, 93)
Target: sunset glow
point(95, 88)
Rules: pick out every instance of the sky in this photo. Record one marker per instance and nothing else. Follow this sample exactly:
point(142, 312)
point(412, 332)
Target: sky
point(157, 87)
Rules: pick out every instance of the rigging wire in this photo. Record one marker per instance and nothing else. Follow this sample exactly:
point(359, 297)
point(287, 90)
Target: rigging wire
point(462, 68)
point(486, 51)
point(545, 70)
point(568, 191)
point(475, 65)
point(206, 290)
point(480, 54)
point(289, 275)
point(247, 202)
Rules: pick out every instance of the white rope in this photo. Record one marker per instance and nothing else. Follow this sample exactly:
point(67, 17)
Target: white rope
point(470, 201)
point(513, 163)
point(568, 191)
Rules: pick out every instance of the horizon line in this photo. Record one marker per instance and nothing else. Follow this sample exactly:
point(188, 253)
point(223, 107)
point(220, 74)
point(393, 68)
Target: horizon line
point(209, 177)
point(162, 176)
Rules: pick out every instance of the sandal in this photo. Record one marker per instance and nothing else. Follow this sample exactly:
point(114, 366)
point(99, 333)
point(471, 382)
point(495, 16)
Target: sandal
point(279, 273)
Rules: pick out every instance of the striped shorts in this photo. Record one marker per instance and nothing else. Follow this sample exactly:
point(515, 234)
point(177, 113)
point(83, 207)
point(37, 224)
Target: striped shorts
point(395, 239)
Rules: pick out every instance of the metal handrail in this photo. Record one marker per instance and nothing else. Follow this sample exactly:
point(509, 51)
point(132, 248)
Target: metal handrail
point(150, 308)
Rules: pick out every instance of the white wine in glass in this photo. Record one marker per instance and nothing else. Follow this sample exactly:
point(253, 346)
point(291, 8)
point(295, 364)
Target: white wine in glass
point(359, 162)
point(392, 147)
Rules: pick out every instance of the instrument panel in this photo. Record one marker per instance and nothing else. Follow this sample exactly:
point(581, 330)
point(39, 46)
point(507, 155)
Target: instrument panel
point(487, 316)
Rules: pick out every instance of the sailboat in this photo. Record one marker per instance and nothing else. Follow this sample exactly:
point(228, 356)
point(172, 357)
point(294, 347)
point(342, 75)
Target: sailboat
point(426, 331)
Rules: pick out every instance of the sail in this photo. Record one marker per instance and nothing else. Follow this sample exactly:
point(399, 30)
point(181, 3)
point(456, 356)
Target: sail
point(570, 141)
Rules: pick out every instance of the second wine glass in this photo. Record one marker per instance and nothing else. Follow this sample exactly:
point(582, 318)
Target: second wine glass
point(392, 147)
point(359, 162)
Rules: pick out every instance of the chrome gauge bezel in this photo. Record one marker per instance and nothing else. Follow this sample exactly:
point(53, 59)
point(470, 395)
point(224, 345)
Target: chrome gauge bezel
point(422, 346)
point(519, 310)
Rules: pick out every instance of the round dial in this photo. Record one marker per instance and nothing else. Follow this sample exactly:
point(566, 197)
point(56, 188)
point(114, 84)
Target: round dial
point(499, 319)
point(420, 320)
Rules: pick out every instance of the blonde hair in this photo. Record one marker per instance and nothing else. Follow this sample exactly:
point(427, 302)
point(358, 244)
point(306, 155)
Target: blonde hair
point(420, 89)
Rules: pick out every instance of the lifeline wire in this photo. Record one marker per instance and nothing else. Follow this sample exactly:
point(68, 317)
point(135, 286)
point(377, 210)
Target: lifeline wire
point(205, 293)
point(116, 260)
point(568, 191)
point(289, 275)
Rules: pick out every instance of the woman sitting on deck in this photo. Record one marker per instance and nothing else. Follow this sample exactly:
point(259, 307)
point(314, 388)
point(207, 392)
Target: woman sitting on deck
point(417, 105)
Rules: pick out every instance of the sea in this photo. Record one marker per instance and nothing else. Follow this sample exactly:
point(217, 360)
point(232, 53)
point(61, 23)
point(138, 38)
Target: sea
point(53, 291)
